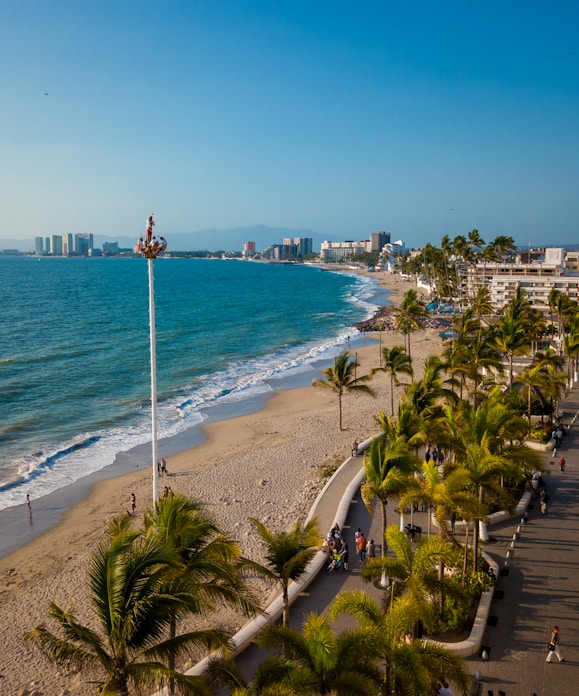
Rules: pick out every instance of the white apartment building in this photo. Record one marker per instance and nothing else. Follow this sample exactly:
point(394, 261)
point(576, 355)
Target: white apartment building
point(536, 279)
point(343, 251)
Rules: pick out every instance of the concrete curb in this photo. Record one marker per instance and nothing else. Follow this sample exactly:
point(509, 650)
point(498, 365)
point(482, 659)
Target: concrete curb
point(247, 633)
point(472, 644)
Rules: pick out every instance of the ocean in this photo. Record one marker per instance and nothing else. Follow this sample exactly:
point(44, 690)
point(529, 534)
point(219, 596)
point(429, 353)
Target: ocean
point(75, 361)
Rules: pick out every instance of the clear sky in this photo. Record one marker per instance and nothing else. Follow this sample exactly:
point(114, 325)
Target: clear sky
point(347, 117)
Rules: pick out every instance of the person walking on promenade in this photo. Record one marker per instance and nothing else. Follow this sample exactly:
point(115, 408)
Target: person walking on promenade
point(554, 646)
point(361, 547)
point(562, 463)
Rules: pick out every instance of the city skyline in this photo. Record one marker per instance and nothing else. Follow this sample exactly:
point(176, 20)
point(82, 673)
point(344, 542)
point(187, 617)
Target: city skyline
point(419, 120)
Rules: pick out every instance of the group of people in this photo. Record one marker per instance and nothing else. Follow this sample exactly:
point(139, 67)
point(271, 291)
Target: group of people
point(364, 548)
point(150, 245)
point(162, 467)
point(337, 549)
point(168, 492)
point(434, 453)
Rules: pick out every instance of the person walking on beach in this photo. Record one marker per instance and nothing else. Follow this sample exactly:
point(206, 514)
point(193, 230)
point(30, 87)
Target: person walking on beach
point(554, 646)
point(133, 503)
point(28, 502)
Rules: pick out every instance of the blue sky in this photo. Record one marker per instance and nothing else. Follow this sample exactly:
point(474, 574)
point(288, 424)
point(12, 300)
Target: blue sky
point(420, 118)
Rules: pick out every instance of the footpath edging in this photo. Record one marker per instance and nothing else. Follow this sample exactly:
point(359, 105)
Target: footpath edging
point(273, 611)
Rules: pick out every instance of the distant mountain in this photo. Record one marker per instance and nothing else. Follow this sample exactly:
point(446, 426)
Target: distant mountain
point(206, 240)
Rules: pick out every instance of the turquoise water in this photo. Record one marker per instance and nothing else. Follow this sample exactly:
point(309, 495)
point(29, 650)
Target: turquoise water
point(75, 362)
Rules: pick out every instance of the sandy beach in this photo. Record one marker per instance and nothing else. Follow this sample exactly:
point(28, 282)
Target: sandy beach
point(265, 464)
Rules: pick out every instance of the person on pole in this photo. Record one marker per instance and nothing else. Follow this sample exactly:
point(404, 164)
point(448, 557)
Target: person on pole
point(150, 224)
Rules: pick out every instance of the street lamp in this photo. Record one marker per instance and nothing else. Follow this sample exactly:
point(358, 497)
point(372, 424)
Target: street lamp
point(150, 248)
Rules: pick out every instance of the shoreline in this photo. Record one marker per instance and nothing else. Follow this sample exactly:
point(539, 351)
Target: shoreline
point(265, 464)
point(51, 509)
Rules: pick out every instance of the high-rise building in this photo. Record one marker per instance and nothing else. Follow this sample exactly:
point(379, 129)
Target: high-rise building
point(378, 240)
point(83, 242)
point(297, 247)
point(67, 245)
point(56, 245)
point(47, 245)
point(38, 246)
point(248, 249)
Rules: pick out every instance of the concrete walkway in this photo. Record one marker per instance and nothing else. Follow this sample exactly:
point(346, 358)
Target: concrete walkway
point(538, 586)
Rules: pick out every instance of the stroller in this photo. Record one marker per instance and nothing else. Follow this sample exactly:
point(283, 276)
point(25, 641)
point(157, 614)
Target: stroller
point(336, 563)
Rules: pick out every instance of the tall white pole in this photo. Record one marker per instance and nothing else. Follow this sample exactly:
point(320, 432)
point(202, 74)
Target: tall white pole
point(150, 247)
point(153, 341)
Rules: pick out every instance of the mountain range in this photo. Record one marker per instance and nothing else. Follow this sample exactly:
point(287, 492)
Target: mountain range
point(201, 240)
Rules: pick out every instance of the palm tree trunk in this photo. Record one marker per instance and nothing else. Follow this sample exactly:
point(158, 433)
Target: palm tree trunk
point(383, 579)
point(285, 613)
point(171, 660)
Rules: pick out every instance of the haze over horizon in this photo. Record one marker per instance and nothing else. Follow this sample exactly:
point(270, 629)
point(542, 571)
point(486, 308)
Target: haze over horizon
point(421, 120)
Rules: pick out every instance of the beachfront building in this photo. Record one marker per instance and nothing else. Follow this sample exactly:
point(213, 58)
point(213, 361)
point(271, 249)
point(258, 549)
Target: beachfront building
point(378, 240)
point(292, 249)
point(67, 244)
point(38, 246)
point(83, 243)
point(545, 272)
point(248, 250)
point(56, 245)
point(333, 252)
point(109, 248)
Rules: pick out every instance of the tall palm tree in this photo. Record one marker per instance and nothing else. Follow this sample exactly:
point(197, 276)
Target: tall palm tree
point(511, 339)
point(287, 555)
point(388, 473)
point(414, 668)
point(208, 558)
point(134, 598)
point(410, 315)
point(395, 361)
point(414, 568)
point(477, 439)
point(342, 378)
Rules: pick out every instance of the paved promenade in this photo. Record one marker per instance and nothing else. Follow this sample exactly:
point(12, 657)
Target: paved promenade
point(538, 587)
point(538, 584)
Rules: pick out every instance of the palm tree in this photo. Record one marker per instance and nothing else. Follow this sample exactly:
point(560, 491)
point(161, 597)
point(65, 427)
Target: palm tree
point(207, 558)
point(477, 439)
point(511, 339)
point(134, 598)
point(388, 474)
point(342, 378)
point(415, 569)
point(410, 315)
point(267, 680)
point(395, 361)
point(412, 668)
point(320, 663)
point(287, 556)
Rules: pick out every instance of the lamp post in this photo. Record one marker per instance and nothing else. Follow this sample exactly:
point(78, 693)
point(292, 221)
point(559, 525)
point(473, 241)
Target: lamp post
point(150, 248)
